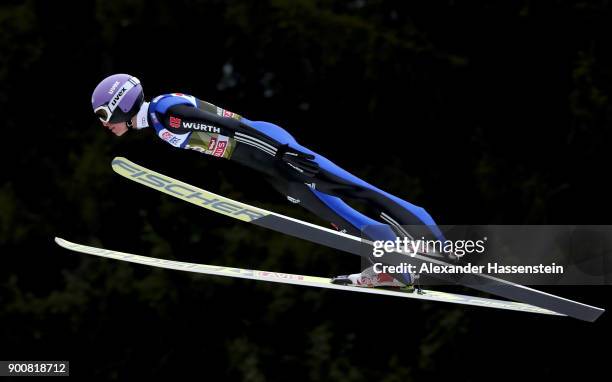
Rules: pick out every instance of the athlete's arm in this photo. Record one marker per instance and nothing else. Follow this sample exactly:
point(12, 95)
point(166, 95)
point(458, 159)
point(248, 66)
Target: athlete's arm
point(186, 118)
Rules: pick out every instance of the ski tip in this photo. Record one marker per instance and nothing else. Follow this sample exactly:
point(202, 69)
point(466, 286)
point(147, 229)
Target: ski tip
point(61, 242)
point(118, 159)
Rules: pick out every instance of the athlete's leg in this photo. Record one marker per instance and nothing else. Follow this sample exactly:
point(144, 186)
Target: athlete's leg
point(372, 230)
point(334, 182)
point(390, 209)
point(345, 218)
point(330, 208)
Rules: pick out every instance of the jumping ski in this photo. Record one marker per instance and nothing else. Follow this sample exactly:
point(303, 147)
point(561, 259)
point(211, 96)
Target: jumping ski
point(293, 279)
point(345, 242)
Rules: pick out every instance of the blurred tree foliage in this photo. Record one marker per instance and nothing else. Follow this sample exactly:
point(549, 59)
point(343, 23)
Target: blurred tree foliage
point(480, 111)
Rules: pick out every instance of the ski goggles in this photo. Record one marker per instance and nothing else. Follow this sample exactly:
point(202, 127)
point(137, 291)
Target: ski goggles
point(105, 112)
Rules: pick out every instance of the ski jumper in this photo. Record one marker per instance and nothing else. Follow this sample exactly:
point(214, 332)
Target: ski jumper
point(303, 176)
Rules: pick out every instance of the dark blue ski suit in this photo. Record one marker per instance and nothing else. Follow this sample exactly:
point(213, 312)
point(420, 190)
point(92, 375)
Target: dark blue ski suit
point(303, 176)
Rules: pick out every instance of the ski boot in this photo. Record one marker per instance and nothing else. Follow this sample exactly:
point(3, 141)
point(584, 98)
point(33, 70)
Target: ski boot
point(370, 279)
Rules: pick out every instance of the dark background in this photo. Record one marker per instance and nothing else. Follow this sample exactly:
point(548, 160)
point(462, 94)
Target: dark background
point(483, 112)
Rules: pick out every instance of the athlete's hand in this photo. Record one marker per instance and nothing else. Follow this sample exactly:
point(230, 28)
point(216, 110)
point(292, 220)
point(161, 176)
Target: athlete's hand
point(300, 162)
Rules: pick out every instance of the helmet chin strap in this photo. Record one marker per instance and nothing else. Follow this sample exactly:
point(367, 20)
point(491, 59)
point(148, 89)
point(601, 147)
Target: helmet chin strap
point(129, 124)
